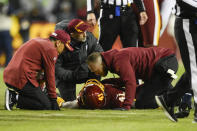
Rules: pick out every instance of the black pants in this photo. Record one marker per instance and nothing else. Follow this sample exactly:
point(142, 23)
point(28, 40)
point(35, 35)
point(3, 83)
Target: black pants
point(111, 26)
point(186, 36)
point(159, 83)
point(33, 98)
point(174, 94)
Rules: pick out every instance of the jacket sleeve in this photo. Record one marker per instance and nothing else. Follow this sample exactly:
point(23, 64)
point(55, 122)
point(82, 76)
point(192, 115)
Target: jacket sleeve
point(90, 6)
point(140, 5)
point(61, 73)
point(127, 74)
point(93, 44)
point(49, 69)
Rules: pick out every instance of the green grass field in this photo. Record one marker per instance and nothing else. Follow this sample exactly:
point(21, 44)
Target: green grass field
point(88, 120)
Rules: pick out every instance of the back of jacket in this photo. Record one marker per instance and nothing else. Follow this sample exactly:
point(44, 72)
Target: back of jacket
point(32, 57)
point(131, 63)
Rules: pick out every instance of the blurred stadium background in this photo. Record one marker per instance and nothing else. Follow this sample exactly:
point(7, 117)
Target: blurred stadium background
point(27, 19)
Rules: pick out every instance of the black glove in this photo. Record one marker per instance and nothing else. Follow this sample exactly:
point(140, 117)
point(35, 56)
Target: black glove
point(120, 109)
point(54, 105)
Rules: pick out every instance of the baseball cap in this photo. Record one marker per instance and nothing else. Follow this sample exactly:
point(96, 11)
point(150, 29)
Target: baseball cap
point(63, 37)
point(77, 25)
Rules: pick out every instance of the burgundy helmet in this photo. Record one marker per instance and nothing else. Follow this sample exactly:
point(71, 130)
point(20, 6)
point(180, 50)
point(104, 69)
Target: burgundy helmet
point(92, 95)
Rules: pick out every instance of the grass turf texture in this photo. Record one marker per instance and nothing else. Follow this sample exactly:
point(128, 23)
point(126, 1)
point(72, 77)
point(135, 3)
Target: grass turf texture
point(89, 120)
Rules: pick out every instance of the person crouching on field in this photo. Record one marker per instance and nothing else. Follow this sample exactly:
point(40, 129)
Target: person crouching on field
point(155, 66)
point(21, 74)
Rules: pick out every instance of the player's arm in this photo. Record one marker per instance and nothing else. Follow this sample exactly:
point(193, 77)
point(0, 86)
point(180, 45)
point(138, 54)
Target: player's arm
point(69, 104)
point(127, 74)
point(49, 71)
point(60, 72)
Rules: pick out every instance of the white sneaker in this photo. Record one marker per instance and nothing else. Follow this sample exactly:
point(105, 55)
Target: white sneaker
point(10, 99)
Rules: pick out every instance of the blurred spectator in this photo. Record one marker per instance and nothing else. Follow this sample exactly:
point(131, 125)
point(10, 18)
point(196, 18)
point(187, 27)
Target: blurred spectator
point(81, 9)
point(29, 11)
point(5, 25)
point(65, 10)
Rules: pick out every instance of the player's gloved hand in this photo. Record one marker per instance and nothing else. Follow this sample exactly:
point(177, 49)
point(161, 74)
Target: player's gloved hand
point(54, 104)
point(120, 109)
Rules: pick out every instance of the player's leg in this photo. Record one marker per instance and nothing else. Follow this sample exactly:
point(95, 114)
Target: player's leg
point(195, 113)
point(151, 29)
point(185, 33)
point(167, 101)
point(145, 97)
point(31, 97)
point(8, 46)
point(158, 84)
point(129, 29)
point(193, 59)
point(108, 28)
point(165, 12)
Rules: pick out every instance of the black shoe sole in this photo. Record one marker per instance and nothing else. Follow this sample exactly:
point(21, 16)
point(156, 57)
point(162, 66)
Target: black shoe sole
point(165, 109)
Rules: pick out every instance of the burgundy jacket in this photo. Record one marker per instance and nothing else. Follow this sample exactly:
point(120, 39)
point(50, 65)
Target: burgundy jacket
point(28, 60)
point(131, 63)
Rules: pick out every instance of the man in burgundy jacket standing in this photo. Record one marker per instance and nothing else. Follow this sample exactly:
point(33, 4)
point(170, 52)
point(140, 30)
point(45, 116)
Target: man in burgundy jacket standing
point(155, 66)
point(22, 73)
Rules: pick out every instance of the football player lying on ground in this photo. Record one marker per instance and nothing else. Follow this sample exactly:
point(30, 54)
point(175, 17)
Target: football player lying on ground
point(108, 94)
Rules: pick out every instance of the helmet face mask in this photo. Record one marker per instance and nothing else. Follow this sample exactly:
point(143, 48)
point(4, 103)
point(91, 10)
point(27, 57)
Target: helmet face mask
point(92, 95)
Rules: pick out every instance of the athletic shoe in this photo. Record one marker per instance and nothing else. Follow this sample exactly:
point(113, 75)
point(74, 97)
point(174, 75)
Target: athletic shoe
point(10, 99)
point(167, 110)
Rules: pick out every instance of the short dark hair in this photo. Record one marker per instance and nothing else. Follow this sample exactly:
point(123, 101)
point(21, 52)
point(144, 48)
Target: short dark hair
point(93, 57)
